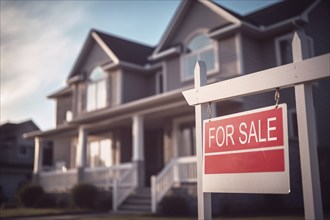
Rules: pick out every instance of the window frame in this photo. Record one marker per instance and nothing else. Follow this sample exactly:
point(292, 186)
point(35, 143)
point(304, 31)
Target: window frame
point(97, 84)
point(99, 160)
point(159, 82)
point(289, 37)
point(213, 46)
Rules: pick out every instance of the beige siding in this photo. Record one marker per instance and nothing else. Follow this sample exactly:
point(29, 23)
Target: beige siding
point(192, 22)
point(96, 57)
point(63, 104)
point(62, 151)
point(138, 85)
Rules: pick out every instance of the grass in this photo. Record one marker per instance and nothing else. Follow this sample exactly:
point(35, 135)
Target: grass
point(25, 212)
point(78, 214)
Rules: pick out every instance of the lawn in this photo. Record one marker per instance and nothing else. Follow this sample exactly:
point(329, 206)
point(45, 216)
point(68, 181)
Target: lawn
point(78, 214)
point(25, 212)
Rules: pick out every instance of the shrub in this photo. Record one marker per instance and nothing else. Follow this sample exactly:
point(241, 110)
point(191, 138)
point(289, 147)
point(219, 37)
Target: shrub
point(46, 201)
point(174, 205)
point(30, 194)
point(103, 203)
point(84, 195)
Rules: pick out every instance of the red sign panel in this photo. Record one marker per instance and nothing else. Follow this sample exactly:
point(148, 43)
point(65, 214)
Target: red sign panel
point(241, 133)
point(247, 147)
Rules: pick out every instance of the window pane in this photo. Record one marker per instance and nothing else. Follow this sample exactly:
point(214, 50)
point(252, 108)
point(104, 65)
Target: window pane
point(209, 59)
point(198, 42)
point(101, 94)
point(97, 74)
point(91, 93)
point(286, 52)
point(189, 65)
point(94, 154)
point(106, 153)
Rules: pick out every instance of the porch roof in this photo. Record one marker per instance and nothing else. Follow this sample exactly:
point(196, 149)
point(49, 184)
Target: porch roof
point(58, 130)
point(117, 113)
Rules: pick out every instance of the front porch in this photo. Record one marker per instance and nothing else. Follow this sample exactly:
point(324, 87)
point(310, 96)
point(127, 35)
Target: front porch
point(124, 154)
point(122, 180)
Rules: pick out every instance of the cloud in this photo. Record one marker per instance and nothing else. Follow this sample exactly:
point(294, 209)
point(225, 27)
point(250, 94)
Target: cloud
point(37, 47)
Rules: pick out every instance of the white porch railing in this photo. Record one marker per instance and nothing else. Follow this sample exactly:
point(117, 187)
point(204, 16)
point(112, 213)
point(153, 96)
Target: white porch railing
point(179, 170)
point(58, 181)
point(102, 177)
point(124, 184)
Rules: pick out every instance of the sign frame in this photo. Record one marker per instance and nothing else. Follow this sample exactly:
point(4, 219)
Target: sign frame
point(255, 180)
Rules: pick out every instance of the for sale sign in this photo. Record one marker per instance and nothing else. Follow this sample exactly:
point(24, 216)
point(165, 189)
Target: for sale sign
point(247, 152)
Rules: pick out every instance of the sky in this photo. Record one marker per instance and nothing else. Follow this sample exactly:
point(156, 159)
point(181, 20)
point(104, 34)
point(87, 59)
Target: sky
point(40, 41)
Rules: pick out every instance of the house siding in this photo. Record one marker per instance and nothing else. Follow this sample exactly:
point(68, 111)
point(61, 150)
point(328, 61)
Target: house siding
point(319, 19)
point(228, 57)
point(63, 104)
point(192, 22)
point(227, 61)
point(63, 151)
point(138, 86)
point(96, 57)
point(253, 57)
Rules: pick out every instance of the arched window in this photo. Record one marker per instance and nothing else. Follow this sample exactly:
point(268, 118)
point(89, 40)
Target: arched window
point(96, 90)
point(200, 47)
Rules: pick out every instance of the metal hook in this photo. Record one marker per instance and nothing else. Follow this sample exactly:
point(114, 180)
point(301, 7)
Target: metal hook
point(277, 97)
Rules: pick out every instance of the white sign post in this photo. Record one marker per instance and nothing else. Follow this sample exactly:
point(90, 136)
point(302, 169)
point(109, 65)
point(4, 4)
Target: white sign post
point(299, 74)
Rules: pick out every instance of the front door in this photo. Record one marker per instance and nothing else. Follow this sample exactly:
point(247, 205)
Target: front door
point(153, 153)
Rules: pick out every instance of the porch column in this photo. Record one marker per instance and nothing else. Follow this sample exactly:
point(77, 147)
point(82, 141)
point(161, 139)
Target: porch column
point(37, 167)
point(81, 156)
point(138, 148)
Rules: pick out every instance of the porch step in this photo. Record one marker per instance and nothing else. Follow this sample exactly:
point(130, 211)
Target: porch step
point(139, 202)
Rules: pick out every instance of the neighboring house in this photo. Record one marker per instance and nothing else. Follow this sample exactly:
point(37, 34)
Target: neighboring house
point(121, 118)
point(16, 156)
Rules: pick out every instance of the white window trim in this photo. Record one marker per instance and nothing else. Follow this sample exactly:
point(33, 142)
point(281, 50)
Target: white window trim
point(277, 47)
point(288, 37)
point(96, 82)
point(106, 98)
point(214, 47)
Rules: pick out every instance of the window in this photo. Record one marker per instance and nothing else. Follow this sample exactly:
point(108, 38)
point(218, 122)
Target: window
point(283, 48)
point(159, 83)
point(99, 153)
point(22, 151)
point(201, 47)
point(293, 124)
point(96, 90)
point(187, 139)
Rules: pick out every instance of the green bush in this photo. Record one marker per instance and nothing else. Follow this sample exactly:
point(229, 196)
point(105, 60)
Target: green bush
point(84, 195)
point(30, 194)
point(174, 205)
point(46, 201)
point(103, 203)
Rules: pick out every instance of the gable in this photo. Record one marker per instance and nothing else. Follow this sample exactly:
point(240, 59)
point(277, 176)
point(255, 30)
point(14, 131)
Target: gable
point(192, 16)
point(91, 55)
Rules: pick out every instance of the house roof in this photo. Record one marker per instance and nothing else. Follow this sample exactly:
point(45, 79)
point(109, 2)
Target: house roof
point(126, 50)
point(10, 130)
point(281, 11)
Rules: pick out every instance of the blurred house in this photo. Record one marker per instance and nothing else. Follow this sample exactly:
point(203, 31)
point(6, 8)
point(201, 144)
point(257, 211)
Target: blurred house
point(16, 156)
point(123, 124)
